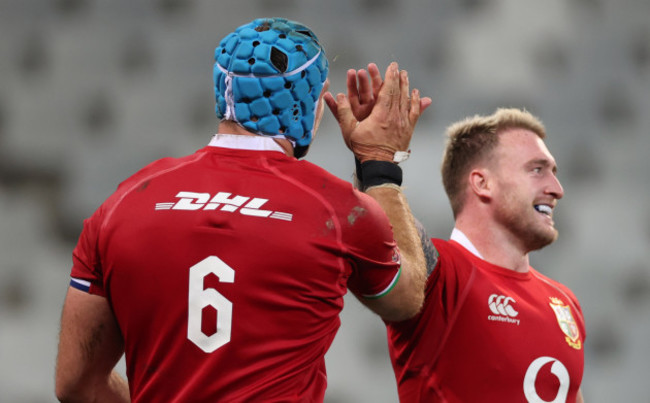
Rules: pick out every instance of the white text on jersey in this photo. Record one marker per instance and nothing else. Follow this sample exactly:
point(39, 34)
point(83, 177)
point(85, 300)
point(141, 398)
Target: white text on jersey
point(223, 201)
point(501, 306)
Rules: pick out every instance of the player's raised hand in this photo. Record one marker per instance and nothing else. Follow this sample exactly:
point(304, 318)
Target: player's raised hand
point(363, 90)
point(377, 130)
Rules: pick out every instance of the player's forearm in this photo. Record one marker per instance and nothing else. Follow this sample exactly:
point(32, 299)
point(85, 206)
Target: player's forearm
point(117, 389)
point(113, 388)
point(90, 344)
point(410, 288)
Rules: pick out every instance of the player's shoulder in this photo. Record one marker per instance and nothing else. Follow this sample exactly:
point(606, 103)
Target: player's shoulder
point(141, 178)
point(546, 279)
point(440, 243)
point(554, 283)
point(155, 168)
point(453, 261)
point(319, 175)
point(448, 250)
point(330, 186)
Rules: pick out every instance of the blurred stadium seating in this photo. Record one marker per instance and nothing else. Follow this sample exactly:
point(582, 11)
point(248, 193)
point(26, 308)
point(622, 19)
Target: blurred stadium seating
point(91, 90)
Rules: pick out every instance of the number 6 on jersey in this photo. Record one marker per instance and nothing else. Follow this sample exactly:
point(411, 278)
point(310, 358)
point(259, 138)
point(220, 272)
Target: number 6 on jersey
point(199, 298)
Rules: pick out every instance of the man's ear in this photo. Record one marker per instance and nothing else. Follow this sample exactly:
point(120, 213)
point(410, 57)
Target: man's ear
point(480, 183)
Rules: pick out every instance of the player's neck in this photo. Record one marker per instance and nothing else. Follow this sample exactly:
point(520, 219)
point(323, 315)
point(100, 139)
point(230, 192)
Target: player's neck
point(494, 244)
point(230, 127)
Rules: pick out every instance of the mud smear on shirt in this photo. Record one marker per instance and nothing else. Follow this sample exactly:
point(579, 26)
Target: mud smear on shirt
point(143, 186)
point(355, 214)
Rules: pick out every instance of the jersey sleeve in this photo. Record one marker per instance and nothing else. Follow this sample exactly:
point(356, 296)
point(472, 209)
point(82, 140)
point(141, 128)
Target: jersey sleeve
point(86, 274)
point(444, 282)
point(373, 252)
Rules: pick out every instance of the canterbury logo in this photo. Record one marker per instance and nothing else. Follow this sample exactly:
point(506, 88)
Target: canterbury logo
point(223, 201)
point(500, 305)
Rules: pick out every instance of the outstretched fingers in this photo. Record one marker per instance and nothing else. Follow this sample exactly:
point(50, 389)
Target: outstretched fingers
point(368, 82)
point(353, 88)
point(330, 101)
point(414, 107)
point(360, 94)
point(375, 79)
point(365, 88)
point(418, 105)
point(342, 111)
point(389, 93)
point(404, 103)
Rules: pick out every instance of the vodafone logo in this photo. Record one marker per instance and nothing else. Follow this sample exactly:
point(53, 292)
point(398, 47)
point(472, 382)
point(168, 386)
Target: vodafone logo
point(502, 308)
point(558, 369)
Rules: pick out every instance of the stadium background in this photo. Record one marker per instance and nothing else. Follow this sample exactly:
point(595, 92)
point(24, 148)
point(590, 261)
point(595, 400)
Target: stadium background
point(91, 90)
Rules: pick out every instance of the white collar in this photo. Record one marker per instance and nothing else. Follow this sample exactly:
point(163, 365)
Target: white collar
point(242, 142)
point(458, 236)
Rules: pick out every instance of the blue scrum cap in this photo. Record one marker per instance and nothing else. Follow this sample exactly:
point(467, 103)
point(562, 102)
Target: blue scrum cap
point(268, 76)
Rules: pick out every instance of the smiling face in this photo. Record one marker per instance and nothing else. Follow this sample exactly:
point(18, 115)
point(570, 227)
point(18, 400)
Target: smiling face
point(526, 188)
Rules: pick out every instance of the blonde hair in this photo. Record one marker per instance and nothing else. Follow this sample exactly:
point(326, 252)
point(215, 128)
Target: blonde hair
point(471, 140)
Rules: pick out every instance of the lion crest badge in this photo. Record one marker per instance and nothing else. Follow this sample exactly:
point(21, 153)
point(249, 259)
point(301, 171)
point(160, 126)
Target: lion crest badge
point(567, 323)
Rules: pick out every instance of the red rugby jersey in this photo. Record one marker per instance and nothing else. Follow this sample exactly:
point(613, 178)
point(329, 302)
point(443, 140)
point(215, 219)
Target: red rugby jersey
point(489, 334)
point(226, 271)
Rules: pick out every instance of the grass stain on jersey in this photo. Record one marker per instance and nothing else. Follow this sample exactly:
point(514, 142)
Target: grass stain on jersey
point(355, 214)
point(143, 186)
